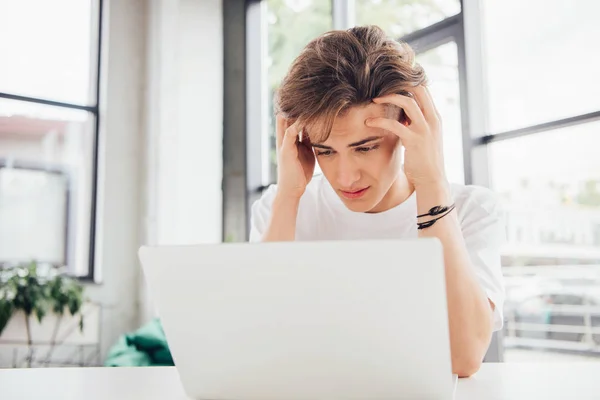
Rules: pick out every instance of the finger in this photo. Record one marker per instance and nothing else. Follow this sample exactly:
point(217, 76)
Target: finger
point(410, 107)
point(291, 136)
point(425, 101)
point(304, 137)
point(428, 93)
point(304, 141)
point(395, 127)
point(306, 153)
point(282, 125)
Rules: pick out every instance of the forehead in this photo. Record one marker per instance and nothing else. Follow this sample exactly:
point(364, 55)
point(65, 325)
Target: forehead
point(350, 126)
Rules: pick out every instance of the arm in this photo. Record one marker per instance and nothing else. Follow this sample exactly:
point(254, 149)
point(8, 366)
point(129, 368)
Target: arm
point(295, 167)
point(470, 313)
point(282, 223)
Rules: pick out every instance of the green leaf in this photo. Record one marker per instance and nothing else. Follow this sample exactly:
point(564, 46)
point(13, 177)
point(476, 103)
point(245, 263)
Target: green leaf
point(21, 288)
point(6, 309)
point(40, 312)
point(32, 268)
point(58, 308)
point(74, 304)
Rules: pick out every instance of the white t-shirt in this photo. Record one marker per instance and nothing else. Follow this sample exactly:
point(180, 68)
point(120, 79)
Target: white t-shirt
point(323, 216)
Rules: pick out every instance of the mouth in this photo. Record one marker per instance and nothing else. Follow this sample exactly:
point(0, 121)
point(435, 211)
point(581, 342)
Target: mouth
point(354, 194)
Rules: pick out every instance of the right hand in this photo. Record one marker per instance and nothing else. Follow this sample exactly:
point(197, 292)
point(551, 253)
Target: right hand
point(295, 160)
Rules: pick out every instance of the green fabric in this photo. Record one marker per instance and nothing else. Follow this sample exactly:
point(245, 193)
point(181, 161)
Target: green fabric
point(145, 347)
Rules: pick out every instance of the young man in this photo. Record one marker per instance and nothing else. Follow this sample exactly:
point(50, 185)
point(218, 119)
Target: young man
point(352, 101)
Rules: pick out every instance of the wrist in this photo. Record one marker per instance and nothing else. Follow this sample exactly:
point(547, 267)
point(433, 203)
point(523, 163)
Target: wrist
point(286, 204)
point(432, 185)
point(434, 195)
point(282, 226)
point(431, 195)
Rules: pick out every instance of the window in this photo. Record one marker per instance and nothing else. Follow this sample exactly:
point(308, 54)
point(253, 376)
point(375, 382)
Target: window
point(291, 25)
point(541, 69)
point(441, 66)
point(543, 65)
point(48, 131)
point(57, 65)
point(555, 201)
point(553, 205)
point(401, 17)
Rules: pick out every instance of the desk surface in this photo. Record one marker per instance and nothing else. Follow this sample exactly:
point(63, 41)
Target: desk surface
point(492, 382)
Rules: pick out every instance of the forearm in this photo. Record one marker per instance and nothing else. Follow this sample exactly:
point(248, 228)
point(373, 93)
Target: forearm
point(282, 225)
point(469, 311)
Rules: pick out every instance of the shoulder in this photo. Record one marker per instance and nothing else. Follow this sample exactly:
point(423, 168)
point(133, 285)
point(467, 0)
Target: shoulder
point(471, 199)
point(312, 193)
point(262, 208)
point(482, 224)
point(479, 211)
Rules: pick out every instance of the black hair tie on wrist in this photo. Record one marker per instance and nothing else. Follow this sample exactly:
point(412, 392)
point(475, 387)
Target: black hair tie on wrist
point(437, 210)
point(427, 224)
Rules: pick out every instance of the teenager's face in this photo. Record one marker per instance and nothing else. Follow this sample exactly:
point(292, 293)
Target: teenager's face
point(361, 163)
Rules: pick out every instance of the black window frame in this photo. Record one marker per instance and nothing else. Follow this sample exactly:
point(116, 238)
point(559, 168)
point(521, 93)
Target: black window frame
point(94, 110)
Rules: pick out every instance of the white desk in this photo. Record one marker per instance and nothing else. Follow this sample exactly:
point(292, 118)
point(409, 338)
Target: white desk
point(492, 382)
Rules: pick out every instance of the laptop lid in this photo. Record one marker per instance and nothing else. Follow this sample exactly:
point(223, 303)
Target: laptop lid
point(305, 320)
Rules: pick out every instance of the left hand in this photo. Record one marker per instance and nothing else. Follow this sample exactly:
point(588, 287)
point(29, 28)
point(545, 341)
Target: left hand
point(421, 136)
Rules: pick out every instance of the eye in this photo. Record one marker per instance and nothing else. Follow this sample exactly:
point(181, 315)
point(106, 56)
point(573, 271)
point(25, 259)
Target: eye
point(367, 149)
point(324, 152)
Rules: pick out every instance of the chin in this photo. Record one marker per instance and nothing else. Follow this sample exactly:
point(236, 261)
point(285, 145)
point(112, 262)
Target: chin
point(362, 205)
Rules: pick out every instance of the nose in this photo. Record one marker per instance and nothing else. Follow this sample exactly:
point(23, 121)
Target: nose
point(348, 172)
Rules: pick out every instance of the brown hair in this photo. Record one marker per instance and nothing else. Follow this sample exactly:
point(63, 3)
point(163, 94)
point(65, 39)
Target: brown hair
point(342, 69)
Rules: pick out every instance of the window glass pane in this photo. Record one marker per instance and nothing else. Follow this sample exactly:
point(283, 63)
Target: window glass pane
point(550, 183)
point(33, 215)
point(400, 17)
point(291, 25)
point(441, 66)
point(45, 184)
point(542, 60)
point(46, 48)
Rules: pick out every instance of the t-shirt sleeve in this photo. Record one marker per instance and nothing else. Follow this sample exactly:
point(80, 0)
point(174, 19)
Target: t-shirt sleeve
point(483, 228)
point(261, 212)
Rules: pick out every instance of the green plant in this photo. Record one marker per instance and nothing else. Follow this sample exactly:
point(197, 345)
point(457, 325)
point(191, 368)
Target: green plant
point(6, 309)
point(25, 288)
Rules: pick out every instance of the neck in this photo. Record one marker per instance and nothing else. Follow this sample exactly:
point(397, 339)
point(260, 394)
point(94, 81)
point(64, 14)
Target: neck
point(398, 193)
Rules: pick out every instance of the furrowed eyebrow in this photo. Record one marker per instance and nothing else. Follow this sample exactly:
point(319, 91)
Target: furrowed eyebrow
point(364, 141)
point(355, 144)
point(321, 146)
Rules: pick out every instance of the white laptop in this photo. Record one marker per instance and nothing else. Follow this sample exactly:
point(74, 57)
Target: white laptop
point(305, 320)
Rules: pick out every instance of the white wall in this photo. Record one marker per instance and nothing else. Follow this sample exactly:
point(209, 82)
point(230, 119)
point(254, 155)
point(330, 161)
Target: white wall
point(162, 154)
point(119, 196)
point(162, 164)
point(183, 125)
